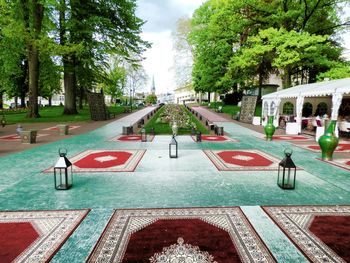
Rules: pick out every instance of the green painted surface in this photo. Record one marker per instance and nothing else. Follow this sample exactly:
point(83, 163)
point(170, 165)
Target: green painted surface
point(189, 181)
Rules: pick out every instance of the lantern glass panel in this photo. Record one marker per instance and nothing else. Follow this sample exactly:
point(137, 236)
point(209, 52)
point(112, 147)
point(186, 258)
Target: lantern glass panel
point(286, 172)
point(173, 148)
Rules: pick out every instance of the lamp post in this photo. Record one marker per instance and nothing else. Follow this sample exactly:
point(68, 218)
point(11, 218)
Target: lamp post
point(143, 135)
point(173, 148)
point(63, 172)
point(198, 136)
point(287, 171)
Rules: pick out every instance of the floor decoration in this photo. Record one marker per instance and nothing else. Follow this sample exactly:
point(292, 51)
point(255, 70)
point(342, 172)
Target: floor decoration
point(320, 232)
point(242, 160)
point(215, 138)
point(35, 236)
point(16, 137)
point(205, 235)
point(105, 161)
point(343, 162)
point(131, 138)
point(289, 138)
point(55, 128)
point(342, 147)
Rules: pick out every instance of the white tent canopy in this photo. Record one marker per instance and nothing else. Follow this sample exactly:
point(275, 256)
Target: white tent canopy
point(335, 88)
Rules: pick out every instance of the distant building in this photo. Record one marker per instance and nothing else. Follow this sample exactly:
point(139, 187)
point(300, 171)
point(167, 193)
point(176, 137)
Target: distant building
point(186, 94)
point(166, 97)
point(153, 88)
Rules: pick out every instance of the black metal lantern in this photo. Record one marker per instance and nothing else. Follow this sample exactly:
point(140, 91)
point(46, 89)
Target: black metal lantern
point(143, 135)
point(173, 148)
point(152, 131)
point(198, 136)
point(63, 172)
point(287, 171)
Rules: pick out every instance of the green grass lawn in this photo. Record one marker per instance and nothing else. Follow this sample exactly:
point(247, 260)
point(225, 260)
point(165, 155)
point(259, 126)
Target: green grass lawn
point(53, 114)
point(164, 128)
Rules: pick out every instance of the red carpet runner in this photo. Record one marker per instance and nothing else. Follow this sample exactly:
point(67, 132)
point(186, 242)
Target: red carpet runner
point(105, 161)
point(180, 235)
point(242, 160)
point(214, 138)
point(131, 138)
point(288, 138)
point(35, 236)
point(321, 232)
point(342, 147)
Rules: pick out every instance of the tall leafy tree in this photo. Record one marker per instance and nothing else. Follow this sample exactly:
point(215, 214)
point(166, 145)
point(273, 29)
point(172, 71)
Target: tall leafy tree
point(32, 12)
point(95, 29)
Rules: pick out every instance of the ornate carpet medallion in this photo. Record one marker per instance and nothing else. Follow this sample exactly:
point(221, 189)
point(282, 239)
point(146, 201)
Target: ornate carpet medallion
point(321, 232)
point(241, 160)
point(35, 236)
point(105, 161)
point(131, 138)
point(343, 163)
point(193, 235)
point(342, 147)
point(214, 138)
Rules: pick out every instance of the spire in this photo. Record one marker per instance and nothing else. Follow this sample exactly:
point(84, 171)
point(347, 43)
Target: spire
point(153, 88)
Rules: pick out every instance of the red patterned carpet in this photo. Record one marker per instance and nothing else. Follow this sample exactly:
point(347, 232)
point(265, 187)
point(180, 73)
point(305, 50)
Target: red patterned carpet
point(240, 160)
point(214, 138)
point(180, 235)
point(35, 236)
point(320, 232)
point(343, 163)
point(289, 138)
point(131, 138)
point(106, 161)
point(55, 128)
point(342, 147)
point(15, 137)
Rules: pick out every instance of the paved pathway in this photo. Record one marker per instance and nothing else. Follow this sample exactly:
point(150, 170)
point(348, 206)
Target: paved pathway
point(158, 181)
point(209, 115)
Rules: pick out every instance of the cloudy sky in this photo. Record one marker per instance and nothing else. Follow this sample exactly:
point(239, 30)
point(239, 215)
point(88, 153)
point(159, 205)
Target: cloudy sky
point(161, 17)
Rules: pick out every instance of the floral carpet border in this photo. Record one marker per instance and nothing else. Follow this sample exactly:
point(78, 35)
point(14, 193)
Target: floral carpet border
point(223, 166)
point(343, 163)
point(53, 227)
point(295, 221)
point(113, 243)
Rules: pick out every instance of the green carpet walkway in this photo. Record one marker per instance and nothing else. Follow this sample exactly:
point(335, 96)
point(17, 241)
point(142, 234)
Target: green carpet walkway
point(188, 181)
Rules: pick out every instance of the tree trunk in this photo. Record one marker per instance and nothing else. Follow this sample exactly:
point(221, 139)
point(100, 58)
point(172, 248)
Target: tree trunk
point(33, 63)
point(1, 100)
point(35, 11)
point(50, 101)
point(286, 79)
point(81, 98)
point(70, 106)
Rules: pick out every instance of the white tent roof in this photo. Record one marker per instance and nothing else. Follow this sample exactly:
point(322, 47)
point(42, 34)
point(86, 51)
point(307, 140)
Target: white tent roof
point(313, 90)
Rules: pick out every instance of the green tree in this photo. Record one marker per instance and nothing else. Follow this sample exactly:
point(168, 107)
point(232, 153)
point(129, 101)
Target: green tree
point(151, 99)
point(100, 29)
point(115, 81)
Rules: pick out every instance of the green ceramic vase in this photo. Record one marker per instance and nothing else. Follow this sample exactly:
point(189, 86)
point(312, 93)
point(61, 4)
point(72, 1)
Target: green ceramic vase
point(269, 128)
point(328, 142)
